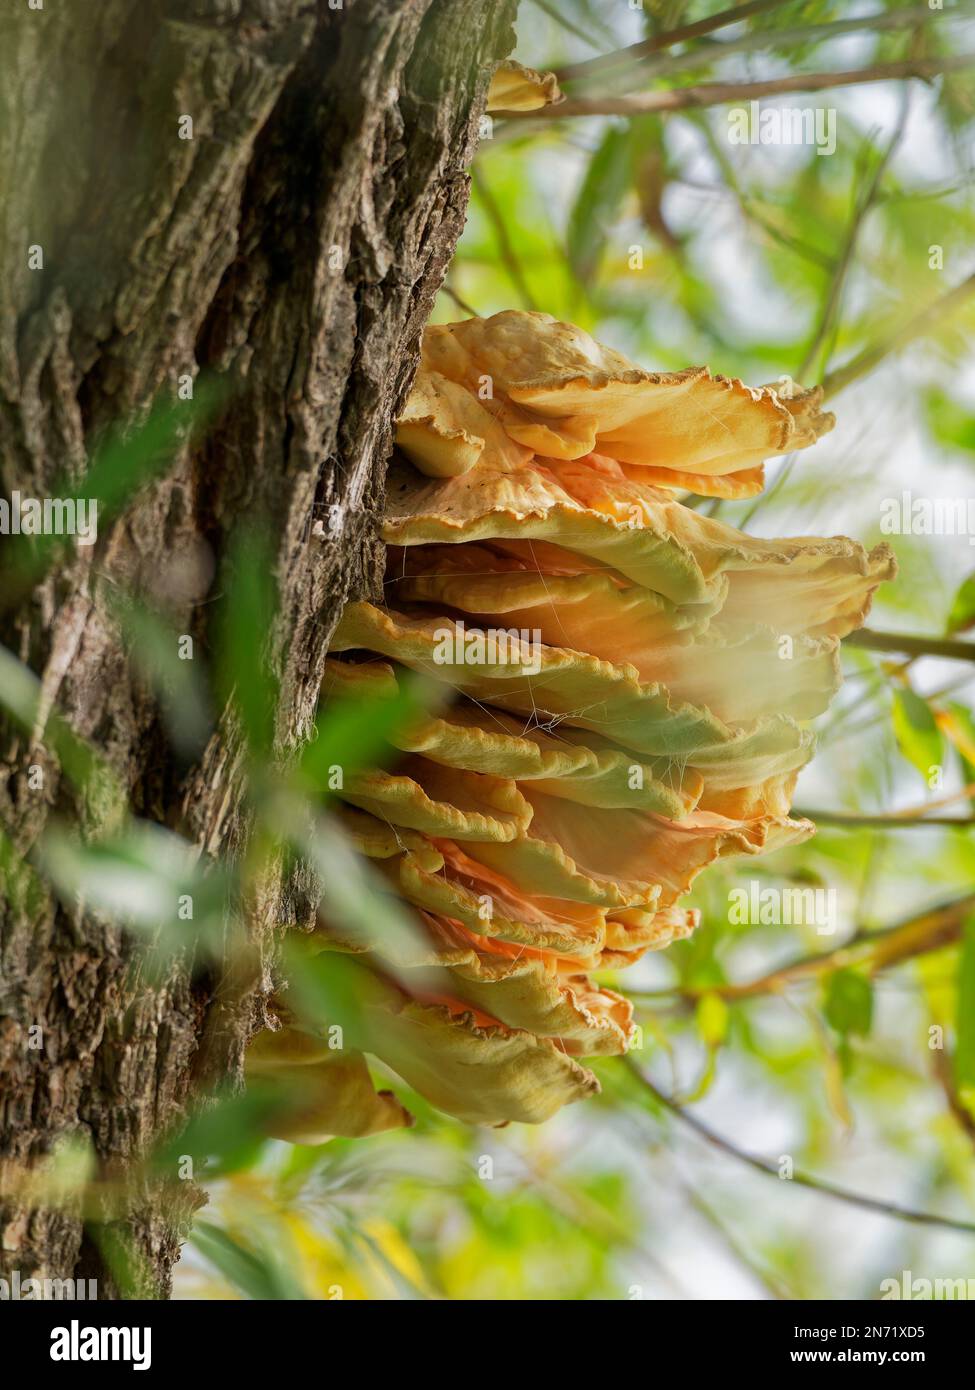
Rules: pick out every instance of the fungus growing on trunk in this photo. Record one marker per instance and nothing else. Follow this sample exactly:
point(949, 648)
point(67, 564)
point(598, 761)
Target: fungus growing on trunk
point(628, 683)
point(517, 88)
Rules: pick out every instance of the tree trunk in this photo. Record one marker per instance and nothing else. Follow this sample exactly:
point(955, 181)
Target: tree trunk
point(293, 244)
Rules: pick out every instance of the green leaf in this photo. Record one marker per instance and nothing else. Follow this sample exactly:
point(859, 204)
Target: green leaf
point(330, 988)
point(126, 1263)
point(124, 462)
point(918, 736)
point(965, 1019)
point(247, 616)
point(961, 615)
point(712, 1018)
point(20, 887)
point(960, 730)
point(598, 200)
point(20, 696)
point(356, 897)
point(223, 1138)
point(145, 878)
point(848, 1003)
point(949, 422)
point(155, 649)
point(350, 735)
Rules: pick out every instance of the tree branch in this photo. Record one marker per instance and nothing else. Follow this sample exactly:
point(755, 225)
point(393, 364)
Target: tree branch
point(913, 646)
point(890, 821)
point(761, 1165)
point(913, 813)
point(720, 93)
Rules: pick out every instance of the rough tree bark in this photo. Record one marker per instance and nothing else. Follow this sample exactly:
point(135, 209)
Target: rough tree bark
point(293, 245)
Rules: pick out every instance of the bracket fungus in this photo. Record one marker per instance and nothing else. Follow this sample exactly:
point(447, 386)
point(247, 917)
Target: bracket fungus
point(628, 682)
point(515, 87)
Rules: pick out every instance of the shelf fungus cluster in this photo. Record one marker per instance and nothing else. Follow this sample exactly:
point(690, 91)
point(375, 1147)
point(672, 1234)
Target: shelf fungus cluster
point(627, 683)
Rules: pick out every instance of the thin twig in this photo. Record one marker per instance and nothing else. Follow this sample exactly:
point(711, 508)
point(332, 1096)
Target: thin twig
point(733, 187)
point(766, 1277)
point(670, 65)
point(592, 66)
point(720, 93)
point(762, 1165)
point(942, 1070)
point(881, 821)
point(875, 951)
point(917, 327)
point(861, 208)
point(784, 239)
point(918, 812)
point(914, 646)
point(461, 303)
point(566, 23)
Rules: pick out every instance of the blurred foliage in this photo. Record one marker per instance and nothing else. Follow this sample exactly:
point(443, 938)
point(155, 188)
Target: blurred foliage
point(848, 1057)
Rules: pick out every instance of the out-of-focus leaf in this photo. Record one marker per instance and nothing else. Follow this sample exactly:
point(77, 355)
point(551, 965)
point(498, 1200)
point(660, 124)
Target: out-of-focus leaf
point(154, 647)
point(259, 1274)
point(146, 878)
point(20, 886)
point(712, 1018)
point(965, 1021)
point(244, 671)
point(958, 724)
point(350, 735)
point(384, 1246)
point(961, 615)
point(598, 200)
point(72, 1165)
point(650, 177)
point(354, 899)
point(848, 1003)
point(126, 1263)
point(20, 695)
point(949, 422)
point(328, 988)
point(223, 1138)
point(124, 462)
point(916, 730)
